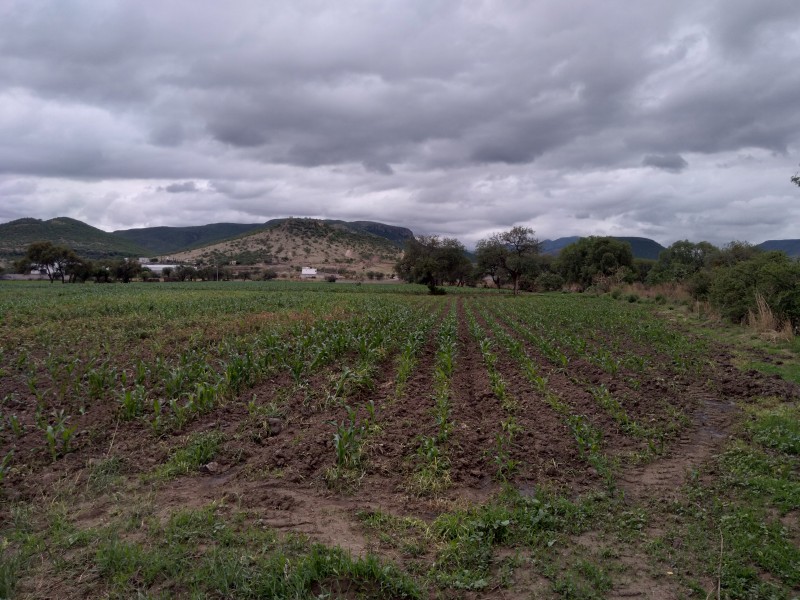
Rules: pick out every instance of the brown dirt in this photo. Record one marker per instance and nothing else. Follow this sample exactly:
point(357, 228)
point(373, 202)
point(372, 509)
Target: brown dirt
point(278, 476)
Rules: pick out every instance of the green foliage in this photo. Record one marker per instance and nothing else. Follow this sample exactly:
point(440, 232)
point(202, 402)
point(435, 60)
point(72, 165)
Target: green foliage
point(508, 255)
point(779, 429)
point(773, 275)
point(549, 282)
point(85, 240)
point(199, 449)
point(681, 261)
point(432, 262)
point(591, 257)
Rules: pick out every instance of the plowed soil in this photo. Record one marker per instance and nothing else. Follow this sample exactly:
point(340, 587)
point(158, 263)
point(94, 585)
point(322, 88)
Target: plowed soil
point(275, 466)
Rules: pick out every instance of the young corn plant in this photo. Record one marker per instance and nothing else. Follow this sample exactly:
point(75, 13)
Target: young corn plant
point(132, 402)
point(506, 466)
point(432, 474)
point(58, 435)
point(347, 444)
point(5, 465)
point(16, 426)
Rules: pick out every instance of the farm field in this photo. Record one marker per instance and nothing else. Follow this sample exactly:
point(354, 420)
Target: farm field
point(276, 440)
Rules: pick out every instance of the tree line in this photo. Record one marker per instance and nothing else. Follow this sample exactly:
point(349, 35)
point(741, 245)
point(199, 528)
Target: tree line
point(731, 278)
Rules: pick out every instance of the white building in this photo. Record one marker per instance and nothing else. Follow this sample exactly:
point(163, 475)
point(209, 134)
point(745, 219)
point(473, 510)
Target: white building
point(308, 272)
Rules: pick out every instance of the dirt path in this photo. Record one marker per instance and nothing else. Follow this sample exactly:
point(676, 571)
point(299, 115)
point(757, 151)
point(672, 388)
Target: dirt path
point(712, 422)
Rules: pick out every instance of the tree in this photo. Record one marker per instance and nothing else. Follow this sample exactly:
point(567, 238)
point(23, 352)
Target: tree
point(491, 254)
point(433, 261)
point(126, 269)
point(184, 272)
point(796, 179)
point(733, 253)
point(772, 275)
point(508, 253)
point(682, 260)
point(592, 257)
point(53, 260)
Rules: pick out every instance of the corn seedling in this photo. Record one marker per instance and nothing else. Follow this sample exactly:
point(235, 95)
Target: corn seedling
point(5, 465)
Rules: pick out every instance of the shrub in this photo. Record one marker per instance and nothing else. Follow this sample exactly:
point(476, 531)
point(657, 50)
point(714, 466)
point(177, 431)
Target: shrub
point(549, 282)
point(773, 275)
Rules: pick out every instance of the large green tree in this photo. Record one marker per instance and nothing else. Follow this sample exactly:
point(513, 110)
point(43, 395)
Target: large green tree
point(582, 261)
point(682, 260)
point(56, 261)
point(508, 254)
point(433, 261)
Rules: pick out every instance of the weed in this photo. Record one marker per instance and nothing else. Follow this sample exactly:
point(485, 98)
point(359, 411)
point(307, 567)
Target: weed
point(198, 451)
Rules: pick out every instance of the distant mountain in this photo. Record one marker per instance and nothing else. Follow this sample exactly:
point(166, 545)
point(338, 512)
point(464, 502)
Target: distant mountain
point(293, 243)
point(641, 247)
point(557, 245)
point(791, 247)
point(396, 235)
point(87, 241)
point(171, 240)
point(166, 240)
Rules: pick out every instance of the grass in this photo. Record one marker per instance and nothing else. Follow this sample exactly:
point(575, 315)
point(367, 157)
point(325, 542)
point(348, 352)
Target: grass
point(733, 523)
point(200, 449)
point(205, 555)
point(728, 527)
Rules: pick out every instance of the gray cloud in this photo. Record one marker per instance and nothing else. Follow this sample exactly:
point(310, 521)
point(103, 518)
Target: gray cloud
point(450, 117)
point(180, 188)
point(674, 163)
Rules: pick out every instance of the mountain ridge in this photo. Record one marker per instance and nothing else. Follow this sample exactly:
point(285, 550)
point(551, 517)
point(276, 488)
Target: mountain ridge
point(86, 240)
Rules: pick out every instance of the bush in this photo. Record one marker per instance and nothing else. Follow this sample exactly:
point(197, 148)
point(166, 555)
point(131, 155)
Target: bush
point(773, 275)
point(632, 298)
point(549, 282)
point(269, 274)
point(330, 278)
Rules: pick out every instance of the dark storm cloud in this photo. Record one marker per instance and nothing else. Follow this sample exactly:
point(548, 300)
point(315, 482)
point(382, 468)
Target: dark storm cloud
point(674, 163)
point(179, 188)
point(502, 112)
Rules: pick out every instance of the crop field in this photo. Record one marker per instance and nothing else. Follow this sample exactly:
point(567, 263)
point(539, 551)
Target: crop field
point(277, 440)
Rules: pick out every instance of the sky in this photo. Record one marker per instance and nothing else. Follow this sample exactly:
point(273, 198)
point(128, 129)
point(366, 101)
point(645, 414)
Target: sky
point(667, 119)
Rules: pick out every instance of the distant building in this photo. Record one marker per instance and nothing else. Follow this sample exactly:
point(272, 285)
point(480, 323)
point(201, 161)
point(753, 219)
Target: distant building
point(158, 269)
point(308, 272)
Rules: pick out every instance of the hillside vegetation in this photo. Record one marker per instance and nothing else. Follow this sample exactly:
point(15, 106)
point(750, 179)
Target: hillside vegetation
point(165, 240)
point(87, 241)
point(641, 247)
point(293, 243)
point(168, 240)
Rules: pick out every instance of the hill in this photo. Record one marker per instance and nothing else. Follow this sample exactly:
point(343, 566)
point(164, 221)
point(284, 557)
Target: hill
point(557, 245)
point(165, 240)
point(87, 241)
point(641, 247)
point(289, 244)
point(791, 247)
point(396, 235)
point(169, 240)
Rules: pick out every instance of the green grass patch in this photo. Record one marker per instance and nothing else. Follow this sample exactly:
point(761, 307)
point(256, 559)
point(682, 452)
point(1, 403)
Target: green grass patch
point(198, 554)
point(728, 527)
point(778, 428)
point(788, 370)
point(198, 451)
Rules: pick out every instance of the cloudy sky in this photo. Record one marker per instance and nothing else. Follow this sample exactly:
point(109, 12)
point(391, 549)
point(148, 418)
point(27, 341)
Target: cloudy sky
point(668, 119)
